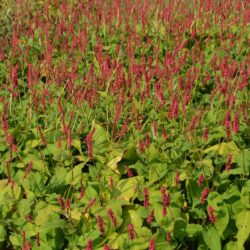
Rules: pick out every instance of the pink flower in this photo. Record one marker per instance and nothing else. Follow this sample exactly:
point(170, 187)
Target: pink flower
point(129, 171)
point(227, 123)
point(211, 215)
point(204, 195)
point(200, 180)
point(152, 244)
point(177, 178)
point(112, 217)
point(27, 170)
point(236, 123)
point(60, 201)
point(89, 142)
point(174, 108)
point(146, 197)
point(205, 134)
point(106, 247)
point(165, 197)
point(229, 162)
point(67, 204)
point(150, 217)
point(131, 231)
point(89, 245)
point(100, 224)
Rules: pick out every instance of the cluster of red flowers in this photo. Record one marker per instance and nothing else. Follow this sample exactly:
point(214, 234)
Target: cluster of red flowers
point(204, 195)
point(150, 217)
point(131, 231)
point(200, 180)
point(211, 215)
point(229, 162)
point(64, 204)
point(112, 217)
point(146, 197)
point(100, 224)
point(89, 141)
point(165, 201)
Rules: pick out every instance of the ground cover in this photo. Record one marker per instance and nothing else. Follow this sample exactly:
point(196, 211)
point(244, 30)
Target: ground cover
point(124, 125)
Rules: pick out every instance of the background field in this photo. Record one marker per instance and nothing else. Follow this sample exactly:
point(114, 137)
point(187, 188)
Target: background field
point(124, 124)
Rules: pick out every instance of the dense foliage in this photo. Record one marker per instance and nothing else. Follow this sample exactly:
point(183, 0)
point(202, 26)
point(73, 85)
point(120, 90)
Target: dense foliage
point(124, 124)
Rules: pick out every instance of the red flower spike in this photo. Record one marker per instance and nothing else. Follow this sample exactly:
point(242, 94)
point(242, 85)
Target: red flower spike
point(89, 245)
point(235, 124)
point(168, 237)
point(205, 134)
point(100, 224)
point(67, 204)
point(106, 247)
point(150, 217)
point(23, 240)
point(90, 204)
point(131, 231)
point(204, 195)
point(111, 182)
point(82, 192)
point(129, 171)
point(211, 215)
point(164, 211)
point(200, 180)
point(177, 178)
point(60, 201)
point(152, 244)
point(28, 170)
point(174, 108)
point(229, 162)
point(89, 142)
point(165, 197)
point(146, 197)
point(112, 217)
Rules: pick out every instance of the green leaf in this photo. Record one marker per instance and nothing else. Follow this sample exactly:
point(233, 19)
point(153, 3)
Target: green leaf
point(152, 153)
point(46, 213)
point(116, 241)
point(131, 217)
point(243, 225)
point(77, 144)
point(222, 219)
point(232, 245)
point(15, 239)
point(212, 238)
point(193, 192)
point(157, 171)
point(180, 229)
point(73, 177)
point(243, 161)
point(114, 159)
point(100, 140)
point(193, 230)
point(24, 207)
point(127, 188)
point(3, 233)
point(245, 194)
point(53, 224)
point(139, 243)
point(231, 194)
point(208, 166)
point(214, 199)
point(224, 148)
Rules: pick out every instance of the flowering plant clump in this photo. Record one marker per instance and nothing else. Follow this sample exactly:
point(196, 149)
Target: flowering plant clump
point(124, 124)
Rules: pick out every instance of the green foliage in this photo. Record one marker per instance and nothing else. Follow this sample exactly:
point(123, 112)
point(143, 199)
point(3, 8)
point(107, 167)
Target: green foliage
point(104, 111)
